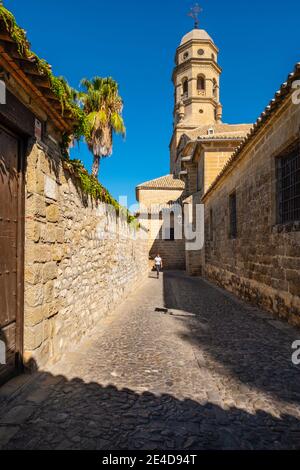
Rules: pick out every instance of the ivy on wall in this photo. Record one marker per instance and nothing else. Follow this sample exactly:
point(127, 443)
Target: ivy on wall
point(58, 85)
point(65, 95)
point(91, 186)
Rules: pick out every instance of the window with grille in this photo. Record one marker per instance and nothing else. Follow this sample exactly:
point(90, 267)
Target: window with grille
point(232, 216)
point(288, 185)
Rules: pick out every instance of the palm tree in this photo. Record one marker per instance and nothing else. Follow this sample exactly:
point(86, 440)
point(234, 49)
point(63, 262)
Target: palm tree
point(103, 107)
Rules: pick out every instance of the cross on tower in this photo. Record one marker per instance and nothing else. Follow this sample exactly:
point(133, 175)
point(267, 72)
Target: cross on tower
point(194, 13)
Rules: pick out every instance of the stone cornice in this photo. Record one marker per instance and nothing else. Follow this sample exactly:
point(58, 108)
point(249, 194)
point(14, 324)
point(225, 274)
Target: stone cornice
point(188, 44)
point(184, 66)
point(200, 99)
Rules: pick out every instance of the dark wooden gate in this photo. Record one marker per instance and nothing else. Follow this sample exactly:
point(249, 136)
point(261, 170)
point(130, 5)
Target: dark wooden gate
point(11, 251)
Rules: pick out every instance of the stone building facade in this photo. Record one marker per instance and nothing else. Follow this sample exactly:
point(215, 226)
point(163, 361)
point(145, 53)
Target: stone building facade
point(158, 201)
point(201, 144)
point(62, 264)
point(248, 179)
point(252, 212)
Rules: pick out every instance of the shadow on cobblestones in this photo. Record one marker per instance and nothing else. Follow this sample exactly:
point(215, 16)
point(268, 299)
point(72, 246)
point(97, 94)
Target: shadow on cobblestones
point(237, 343)
point(71, 414)
point(209, 373)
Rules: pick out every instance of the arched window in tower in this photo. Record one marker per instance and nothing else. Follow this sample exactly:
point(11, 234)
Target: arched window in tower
point(185, 87)
point(201, 83)
point(215, 88)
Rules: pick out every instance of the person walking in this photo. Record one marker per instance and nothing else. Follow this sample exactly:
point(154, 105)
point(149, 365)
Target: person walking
point(158, 264)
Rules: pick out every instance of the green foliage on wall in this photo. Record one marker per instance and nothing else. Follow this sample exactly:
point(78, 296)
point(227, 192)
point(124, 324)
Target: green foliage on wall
point(91, 186)
point(18, 34)
point(67, 99)
point(59, 86)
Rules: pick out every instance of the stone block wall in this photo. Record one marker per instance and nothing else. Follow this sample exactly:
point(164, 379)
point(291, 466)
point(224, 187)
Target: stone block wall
point(155, 197)
point(76, 271)
point(262, 265)
point(171, 251)
point(214, 160)
point(191, 178)
point(194, 258)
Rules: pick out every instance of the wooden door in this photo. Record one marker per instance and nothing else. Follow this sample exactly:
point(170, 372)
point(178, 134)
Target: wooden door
point(11, 253)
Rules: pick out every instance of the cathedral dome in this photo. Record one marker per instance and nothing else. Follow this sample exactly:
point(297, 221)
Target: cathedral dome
point(196, 34)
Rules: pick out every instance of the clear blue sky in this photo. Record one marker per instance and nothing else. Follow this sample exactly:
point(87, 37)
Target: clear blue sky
point(135, 41)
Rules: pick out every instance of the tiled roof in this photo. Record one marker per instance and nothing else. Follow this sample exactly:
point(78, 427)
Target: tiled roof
point(221, 131)
point(165, 182)
point(223, 136)
point(275, 103)
point(24, 67)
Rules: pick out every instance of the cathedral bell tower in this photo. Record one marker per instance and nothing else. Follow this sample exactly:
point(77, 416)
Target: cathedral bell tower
point(196, 79)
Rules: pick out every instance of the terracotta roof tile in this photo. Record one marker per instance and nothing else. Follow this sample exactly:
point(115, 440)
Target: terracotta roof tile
point(24, 68)
point(220, 131)
point(165, 182)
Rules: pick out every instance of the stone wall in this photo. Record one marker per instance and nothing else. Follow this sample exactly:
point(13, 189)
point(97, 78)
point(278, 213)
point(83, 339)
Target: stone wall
point(158, 231)
point(76, 271)
point(147, 197)
point(215, 158)
point(171, 251)
point(191, 178)
point(194, 258)
point(262, 265)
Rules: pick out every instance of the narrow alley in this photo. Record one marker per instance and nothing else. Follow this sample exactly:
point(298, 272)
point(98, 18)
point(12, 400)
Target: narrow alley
point(180, 364)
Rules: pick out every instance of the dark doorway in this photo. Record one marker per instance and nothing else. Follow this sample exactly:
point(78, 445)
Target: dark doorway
point(11, 252)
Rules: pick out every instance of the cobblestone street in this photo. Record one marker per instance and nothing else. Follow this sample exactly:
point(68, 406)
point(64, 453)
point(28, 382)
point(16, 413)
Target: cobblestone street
point(210, 373)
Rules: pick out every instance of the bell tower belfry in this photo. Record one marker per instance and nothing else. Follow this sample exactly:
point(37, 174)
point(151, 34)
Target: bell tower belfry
point(196, 79)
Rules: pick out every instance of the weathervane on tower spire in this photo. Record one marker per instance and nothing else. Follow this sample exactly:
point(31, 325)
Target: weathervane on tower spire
point(194, 13)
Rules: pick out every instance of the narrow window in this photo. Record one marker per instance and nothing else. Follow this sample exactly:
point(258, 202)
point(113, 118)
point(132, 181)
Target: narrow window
point(185, 88)
point(169, 234)
point(232, 216)
point(288, 185)
point(201, 83)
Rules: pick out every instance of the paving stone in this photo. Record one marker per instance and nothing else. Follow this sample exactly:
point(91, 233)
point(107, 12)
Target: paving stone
point(17, 415)
point(214, 375)
point(6, 433)
point(38, 396)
